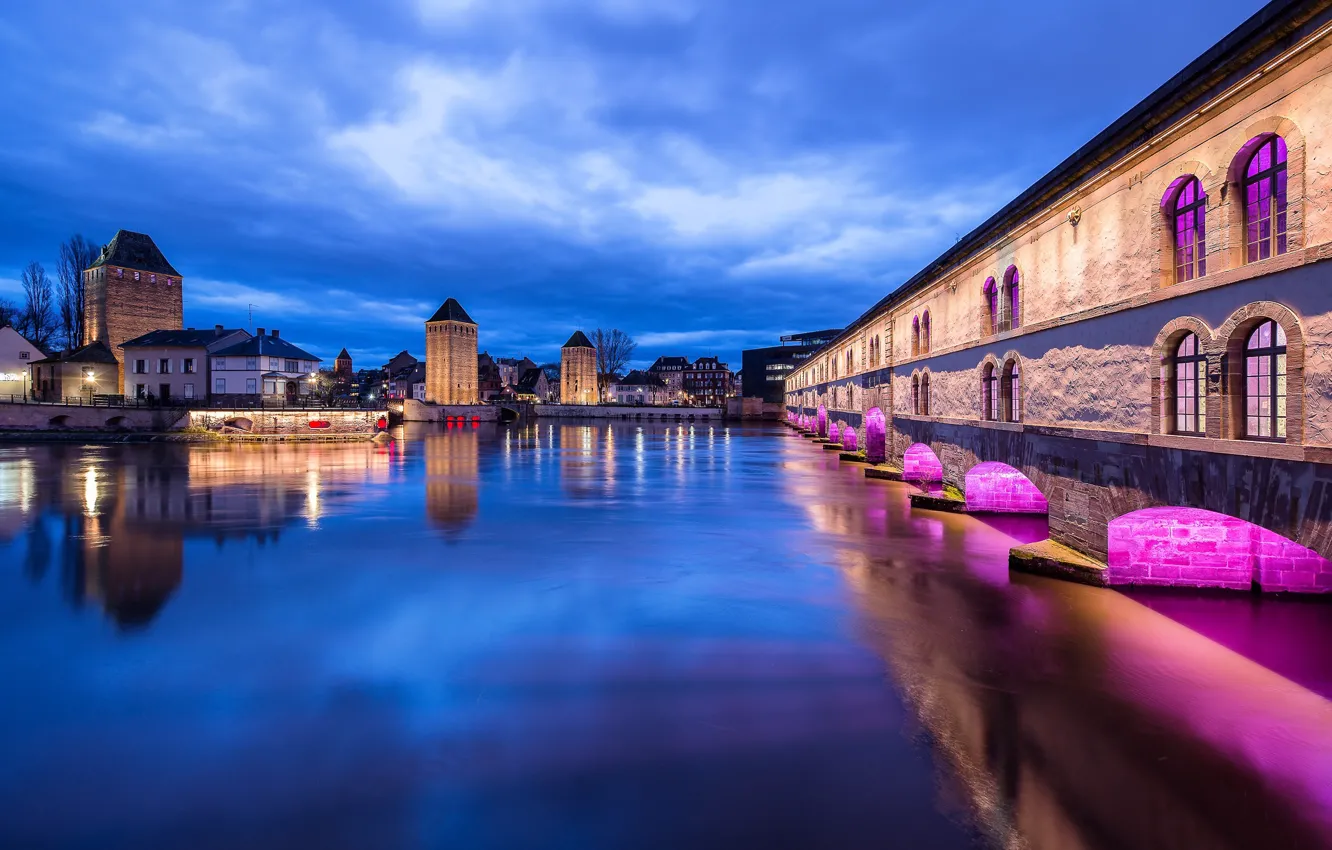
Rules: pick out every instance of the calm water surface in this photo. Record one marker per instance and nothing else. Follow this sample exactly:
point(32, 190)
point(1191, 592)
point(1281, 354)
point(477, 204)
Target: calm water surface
point(600, 636)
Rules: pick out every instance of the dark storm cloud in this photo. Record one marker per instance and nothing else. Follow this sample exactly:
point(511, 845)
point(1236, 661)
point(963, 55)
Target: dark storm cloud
point(705, 175)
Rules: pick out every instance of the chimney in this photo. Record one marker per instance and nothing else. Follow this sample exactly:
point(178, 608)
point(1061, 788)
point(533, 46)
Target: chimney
point(261, 332)
point(276, 332)
point(217, 329)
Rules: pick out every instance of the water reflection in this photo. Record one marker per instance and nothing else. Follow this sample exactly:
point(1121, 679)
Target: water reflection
point(629, 621)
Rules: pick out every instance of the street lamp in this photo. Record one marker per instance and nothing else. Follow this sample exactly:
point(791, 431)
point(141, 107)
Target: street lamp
point(91, 380)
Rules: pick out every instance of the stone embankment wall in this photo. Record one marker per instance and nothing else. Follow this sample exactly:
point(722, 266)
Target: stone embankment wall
point(418, 411)
point(610, 411)
point(51, 417)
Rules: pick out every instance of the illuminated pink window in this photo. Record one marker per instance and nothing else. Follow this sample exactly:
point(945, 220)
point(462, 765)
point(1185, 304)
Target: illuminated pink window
point(990, 393)
point(925, 333)
point(1265, 383)
point(991, 292)
point(1190, 383)
point(915, 394)
point(1265, 200)
point(1012, 301)
point(1190, 231)
point(1012, 392)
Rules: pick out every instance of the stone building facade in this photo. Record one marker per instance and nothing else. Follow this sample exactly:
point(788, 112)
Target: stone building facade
point(131, 291)
point(451, 367)
point(578, 370)
point(1147, 328)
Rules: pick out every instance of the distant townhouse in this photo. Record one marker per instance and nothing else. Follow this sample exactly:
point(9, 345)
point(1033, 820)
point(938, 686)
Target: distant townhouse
point(16, 356)
point(263, 369)
point(533, 386)
point(671, 371)
point(172, 364)
point(707, 382)
point(640, 387)
point(84, 372)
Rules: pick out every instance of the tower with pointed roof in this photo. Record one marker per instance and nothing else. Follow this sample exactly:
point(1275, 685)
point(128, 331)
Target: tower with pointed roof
point(451, 368)
point(131, 290)
point(578, 370)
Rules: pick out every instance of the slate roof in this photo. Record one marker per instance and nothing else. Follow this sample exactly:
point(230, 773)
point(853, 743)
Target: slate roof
point(529, 381)
point(134, 251)
point(682, 362)
point(93, 352)
point(639, 378)
point(451, 311)
point(180, 339)
point(266, 345)
point(578, 340)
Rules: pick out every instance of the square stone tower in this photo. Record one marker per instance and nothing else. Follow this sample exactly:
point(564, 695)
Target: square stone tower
point(451, 372)
point(578, 371)
point(131, 290)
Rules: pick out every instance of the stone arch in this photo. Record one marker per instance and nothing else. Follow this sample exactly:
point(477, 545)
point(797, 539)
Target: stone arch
point(1253, 135)
point(850, 441)
point(1229, 340)
point(994, 487)
point(1162, 206)
point(821, 421)
point(1163, 350)
point(117, 422)
point(1192, 547)
point(834, 432)
point(920, 463)
point(876, 436)
point(59, 421)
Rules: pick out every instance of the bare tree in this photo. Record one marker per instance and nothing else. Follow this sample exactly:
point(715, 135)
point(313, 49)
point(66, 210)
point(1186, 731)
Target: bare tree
point(614, 348)
point(37, 320)
point(9, 312)
point(76, 254)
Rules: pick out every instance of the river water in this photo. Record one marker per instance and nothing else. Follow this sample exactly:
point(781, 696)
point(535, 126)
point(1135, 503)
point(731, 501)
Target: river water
point(593, 636)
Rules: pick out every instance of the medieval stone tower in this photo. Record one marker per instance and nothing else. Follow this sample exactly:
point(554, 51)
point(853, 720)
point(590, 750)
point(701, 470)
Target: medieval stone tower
point(451, 373)
point(131, 290)
point(578, 371)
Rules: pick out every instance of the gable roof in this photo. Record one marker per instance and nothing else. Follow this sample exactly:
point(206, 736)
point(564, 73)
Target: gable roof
point(93, 352)
point(134, 251)
point(343, 355)
point(190, 338)
point(669, 361)
point(266, 344)
point(530, 380)
point(578, 340)
point(451, 311)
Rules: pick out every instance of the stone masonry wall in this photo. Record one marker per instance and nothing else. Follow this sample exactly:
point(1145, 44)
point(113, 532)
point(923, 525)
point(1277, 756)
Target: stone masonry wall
point(121, 308)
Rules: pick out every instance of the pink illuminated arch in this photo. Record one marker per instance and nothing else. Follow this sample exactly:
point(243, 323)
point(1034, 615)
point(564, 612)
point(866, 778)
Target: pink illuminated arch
point(920, 463)
point(876, 436)
point(834, 433)
point(1265, 201)
point(822, 421)
point(1186, 205)
point(991, 293)
point(1012, 305)
point(849, 438)
point(994, 487)
point(1191, 547)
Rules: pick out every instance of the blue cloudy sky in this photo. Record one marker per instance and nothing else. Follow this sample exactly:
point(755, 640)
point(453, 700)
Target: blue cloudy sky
point(705, 174)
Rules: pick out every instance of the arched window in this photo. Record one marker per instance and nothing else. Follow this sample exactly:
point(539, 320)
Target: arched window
point(990, 393)
point(925, 333)
point(915, 394)
point(1189, 379)
point(1190, 214)
point(915, 336)
point(1265, 383)
point(991, 292)
point(1265, 200)
point(925, 394)
point(1012, 303)
point(1011, 391)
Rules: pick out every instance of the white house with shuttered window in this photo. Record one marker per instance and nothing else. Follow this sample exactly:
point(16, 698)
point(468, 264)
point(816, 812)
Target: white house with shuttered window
point(174, 364)
point(263, 367)
point(16, 355)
